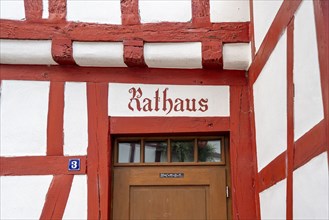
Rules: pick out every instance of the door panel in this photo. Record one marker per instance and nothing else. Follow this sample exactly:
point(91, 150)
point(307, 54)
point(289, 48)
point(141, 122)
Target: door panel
point(197, 193)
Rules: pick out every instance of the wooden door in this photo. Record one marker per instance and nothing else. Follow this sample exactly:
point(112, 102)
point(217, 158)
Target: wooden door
point(169, 192)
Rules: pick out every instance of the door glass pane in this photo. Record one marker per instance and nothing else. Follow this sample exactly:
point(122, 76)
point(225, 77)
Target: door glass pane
point(209, 151)
point(129, 152)
point(182, 151)
point(156, 151)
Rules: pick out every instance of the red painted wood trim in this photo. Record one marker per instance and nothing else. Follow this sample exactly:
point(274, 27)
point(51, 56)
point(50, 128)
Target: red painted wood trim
point(200, 13)
point(133, 53)
point(62, 51)
point(212, 55)
point(57, 10)
point(57, 196)
point(279, 24)
point(311, 144)
point(290, 119)
point(321, 11)
point(252, 29)
point(39, 165)
point(254, 148)
point(243, 168)
point(166, 125)
point(229, 32)
point(33, 10)
point(55, 119)
point(98, 151)
point(273, 173)
point(123, 75)
point(129, 12)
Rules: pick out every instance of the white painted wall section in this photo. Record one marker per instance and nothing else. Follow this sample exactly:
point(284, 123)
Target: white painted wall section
point(270, 95)
point(75, 119)
point(165, 10)
point(45, 9)
point(308, 97)
point(173, 55)
point(229, 11)
point(102, 54)
point(311, 200)
point(24, 110)
point(76, 207)
point(23, 197)
point(264, 14)
point(100, 11)
point(236, 56)
point(26, 52)
point(273, 201)
point(12, 9)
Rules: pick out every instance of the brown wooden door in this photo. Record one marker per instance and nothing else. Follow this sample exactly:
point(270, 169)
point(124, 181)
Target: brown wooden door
point(197, 192)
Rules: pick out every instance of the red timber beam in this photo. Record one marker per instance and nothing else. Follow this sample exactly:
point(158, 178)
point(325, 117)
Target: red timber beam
point(33, 10)
point(39, 165)
point(98, 152)
point(123, 75)
point(279, 24)
point(150, 125)
point(321, 11)
point(242, 155)
point(228, 32)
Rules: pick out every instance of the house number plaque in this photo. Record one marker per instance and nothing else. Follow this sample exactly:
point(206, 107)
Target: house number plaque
point(171, 175)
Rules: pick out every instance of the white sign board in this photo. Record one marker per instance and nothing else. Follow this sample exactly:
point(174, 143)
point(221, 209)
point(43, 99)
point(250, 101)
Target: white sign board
point(133, 100)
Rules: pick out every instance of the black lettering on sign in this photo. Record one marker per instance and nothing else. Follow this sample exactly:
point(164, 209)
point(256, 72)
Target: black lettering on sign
point(171, 175)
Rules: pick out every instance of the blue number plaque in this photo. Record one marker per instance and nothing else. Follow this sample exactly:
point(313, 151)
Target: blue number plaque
point(74, 165)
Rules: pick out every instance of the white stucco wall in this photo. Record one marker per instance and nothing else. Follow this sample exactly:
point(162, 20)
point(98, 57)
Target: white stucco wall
point(229, 11)
point(23, 197)
point(24, 111)
point(75, 119)
point(165, 10)
point(236, 56)
point(308, 97)
point(12, 9)
point(45, 9)
point(270, 98)
point(173, 55)
point(100, 11)
point(273, 201)
point(311, 200)
point(102, 54)
point(26, 52)
point(76, 207)
point(264, 13)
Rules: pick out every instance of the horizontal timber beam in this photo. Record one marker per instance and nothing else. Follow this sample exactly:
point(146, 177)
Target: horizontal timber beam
point(39, 165)
point(230, 32)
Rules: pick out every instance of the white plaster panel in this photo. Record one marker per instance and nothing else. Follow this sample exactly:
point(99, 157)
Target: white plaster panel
point(273, 201)
point(100, 11)
point(121, 95)
point(23, 197)
point(264, 14)
point(311, 200)
point(75, 119)
point(12, 9)
point(236, 56)
point(45, 11)
point(270, 95)
point(229, 11)
point(24, 110)
point(173, 55)
point(165, 10)
point(103, 54)
point(308, 97)
point(76, 207)
point(26, 52)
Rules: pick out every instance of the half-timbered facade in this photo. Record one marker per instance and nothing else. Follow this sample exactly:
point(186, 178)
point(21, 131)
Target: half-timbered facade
point(187, 109)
